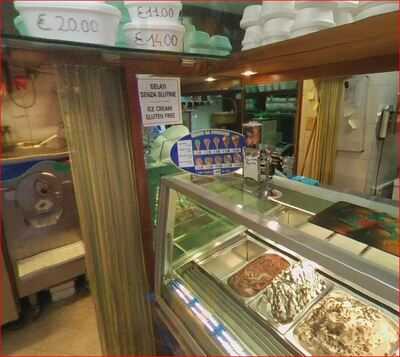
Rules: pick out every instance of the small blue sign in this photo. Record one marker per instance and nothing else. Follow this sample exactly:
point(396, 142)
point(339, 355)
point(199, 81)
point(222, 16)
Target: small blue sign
point(212, 152)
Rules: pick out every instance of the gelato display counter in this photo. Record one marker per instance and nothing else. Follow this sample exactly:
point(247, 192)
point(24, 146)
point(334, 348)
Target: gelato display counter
point(241, 274)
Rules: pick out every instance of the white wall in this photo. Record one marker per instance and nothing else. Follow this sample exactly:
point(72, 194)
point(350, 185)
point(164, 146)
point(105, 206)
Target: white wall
point(41, 120)
point(356, 171)
point(201, 116)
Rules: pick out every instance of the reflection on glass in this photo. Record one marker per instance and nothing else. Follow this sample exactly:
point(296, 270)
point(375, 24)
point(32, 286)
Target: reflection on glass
point(196, 226)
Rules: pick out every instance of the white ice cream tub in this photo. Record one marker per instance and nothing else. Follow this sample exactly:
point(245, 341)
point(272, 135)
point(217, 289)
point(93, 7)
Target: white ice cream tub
point(154, 11)
point(251, 16)
point(275, 9)
point(378, 8)
point(326, 4)
point(78, 21)
point(268, 40)
point(342, 16)
point(313, 17)
point(277, 27)
point(253, 34)
point(161, 37)
point(306, 30)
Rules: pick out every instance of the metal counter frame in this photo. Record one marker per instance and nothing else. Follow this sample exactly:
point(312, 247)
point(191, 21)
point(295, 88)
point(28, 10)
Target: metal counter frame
point(368, 278)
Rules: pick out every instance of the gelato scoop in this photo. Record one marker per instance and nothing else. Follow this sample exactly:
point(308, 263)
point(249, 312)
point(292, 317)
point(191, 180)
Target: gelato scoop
point(291, 291)
point(341, 325)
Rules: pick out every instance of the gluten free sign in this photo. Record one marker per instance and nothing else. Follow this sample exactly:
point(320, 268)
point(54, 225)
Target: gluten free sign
point(160, 101)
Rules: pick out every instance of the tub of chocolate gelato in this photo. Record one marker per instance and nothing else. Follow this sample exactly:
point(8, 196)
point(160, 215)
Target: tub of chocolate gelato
point(253, 278)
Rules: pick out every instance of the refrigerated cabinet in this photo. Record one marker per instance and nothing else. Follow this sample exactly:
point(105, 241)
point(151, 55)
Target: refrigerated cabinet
point(211, 229)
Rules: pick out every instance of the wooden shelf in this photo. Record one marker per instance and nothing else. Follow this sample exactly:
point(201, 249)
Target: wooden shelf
point(366, 46)
point(34, 52)
point(279, 92)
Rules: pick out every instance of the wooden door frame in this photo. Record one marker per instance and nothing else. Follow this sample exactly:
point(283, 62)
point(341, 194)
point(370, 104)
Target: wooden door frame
point(132, 102)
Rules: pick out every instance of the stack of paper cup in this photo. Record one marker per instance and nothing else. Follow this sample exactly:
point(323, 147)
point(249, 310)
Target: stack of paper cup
point(277, 20)
point(155, 25)
point(313, 16)
point(250, 23)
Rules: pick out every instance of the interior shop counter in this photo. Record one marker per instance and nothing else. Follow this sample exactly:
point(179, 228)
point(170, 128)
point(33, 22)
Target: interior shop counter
point(241, 274)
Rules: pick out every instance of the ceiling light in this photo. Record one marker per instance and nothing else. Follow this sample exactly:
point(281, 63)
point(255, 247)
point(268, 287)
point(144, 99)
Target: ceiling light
point(249, 73)
point(210, 79)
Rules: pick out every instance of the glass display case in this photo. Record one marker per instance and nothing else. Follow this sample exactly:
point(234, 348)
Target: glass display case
point(240, 274)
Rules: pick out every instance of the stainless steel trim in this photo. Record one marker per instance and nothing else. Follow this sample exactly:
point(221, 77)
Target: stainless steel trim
point(365, 275)
point(185, 340)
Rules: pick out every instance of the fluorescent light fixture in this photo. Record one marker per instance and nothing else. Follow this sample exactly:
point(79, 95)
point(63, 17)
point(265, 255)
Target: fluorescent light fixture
point(248, 73)
point(273, 225)
point(210, 79)
point(215, 328)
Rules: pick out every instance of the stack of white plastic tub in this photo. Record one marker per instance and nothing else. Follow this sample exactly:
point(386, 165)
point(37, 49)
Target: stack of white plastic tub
point(79, 21)
point(372, 8)
point(313, 16)
point(155, 25)
point(344, 13)
point(251, 24)
point(277, 20)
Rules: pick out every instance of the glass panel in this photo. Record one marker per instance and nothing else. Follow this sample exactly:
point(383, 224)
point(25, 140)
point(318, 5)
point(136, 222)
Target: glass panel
point(206, 28)
point(243, 275)
point(248, 195)
point(195, 226)
point(274, 106)
point(298, 206)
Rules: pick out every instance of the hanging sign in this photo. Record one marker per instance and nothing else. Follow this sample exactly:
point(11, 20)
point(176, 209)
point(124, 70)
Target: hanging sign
point(209, 152)
point(160, 101)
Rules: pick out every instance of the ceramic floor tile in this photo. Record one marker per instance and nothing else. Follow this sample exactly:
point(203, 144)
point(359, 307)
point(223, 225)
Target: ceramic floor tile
point(66, 328)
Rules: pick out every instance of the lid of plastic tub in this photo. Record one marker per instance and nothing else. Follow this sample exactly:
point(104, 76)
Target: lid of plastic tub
point(346, 4)
point(153, 26)
point(251, 16)
point(152, 3)
point(319, 4)
point(366, 3)
point(98, 6)
point(322, 25)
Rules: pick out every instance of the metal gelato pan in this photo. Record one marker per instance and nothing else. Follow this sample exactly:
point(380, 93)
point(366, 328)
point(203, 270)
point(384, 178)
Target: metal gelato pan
point(228, 261)
point(262, 306)
point(390, 318)
point(248, 299)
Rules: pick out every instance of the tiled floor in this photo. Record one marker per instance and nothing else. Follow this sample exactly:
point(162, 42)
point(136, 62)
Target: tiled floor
point(64, 328)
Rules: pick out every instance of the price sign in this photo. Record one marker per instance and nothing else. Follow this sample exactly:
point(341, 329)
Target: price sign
point(61, 23)
point(156, 40)
point(209, 152)
point(148, 12)
point(160, 101)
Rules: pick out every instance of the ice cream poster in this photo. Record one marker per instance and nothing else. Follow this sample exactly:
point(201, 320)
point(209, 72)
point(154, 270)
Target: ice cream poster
point(209, 152)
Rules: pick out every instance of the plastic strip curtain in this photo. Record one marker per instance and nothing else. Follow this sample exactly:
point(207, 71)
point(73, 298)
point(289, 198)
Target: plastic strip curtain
point(321, 151)
point(98, 133)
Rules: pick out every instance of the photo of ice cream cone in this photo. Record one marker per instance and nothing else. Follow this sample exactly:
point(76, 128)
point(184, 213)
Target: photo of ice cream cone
point(197, 144)
point(237, 158)
point(228, 159)
point(226, 140)
point(207, 143)
point(218, 160)
point(216, 141)
point(209, 160)
point(199, 161)
point(236, 141)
